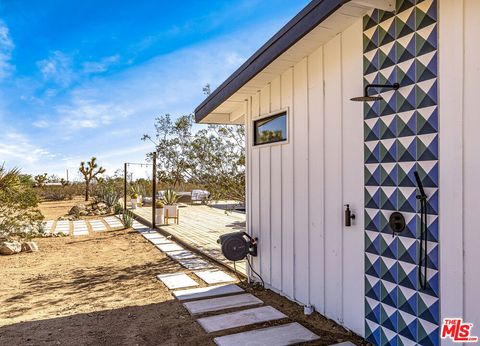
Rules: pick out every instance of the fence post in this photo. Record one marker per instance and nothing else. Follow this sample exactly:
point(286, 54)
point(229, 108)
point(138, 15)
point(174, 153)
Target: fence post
point(154, 187)
point(125, 187)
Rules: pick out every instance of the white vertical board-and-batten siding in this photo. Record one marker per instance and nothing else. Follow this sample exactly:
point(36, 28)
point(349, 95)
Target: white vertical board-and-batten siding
point(459, 152)
point(296, 191)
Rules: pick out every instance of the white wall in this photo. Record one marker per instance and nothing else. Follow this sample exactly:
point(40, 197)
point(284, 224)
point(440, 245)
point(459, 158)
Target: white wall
point(296, 191)
point(459, 75)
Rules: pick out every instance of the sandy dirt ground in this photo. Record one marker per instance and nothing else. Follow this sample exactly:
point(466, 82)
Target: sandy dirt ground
point(102, 290)
point(52, 210)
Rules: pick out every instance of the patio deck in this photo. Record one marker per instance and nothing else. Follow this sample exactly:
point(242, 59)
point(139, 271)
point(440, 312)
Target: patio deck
point(200, 226)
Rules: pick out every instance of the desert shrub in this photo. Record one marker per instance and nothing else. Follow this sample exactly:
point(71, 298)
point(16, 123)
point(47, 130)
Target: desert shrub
point(117, 209)
point(58, 193)
point(19, 214)
point(127, 218)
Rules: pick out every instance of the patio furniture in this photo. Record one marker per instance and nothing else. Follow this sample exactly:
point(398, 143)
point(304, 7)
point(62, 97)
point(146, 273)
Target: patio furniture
point(176, 218)
point(199, 195)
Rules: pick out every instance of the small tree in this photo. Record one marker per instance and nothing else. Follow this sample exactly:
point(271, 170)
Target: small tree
point(90, 172)
point(18, 204)
point(40, 179)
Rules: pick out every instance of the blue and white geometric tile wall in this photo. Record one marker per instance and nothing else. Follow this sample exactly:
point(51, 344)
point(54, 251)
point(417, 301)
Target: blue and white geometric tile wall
point(401, 136)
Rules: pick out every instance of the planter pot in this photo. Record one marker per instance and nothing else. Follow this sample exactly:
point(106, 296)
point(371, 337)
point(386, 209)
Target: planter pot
point(171, 210)
point(159, 215)
point(134, 203)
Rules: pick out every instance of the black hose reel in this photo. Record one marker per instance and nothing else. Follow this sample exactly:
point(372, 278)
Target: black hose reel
point(237, 245)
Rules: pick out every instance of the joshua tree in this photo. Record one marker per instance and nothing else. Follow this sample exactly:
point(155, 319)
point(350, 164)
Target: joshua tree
point(90, 172)
point(40, 179)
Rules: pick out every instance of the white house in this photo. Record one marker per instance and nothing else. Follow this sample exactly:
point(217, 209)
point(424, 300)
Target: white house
point(311, 150)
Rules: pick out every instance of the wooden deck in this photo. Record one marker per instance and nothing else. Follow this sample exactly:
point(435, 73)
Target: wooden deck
point(200, 226)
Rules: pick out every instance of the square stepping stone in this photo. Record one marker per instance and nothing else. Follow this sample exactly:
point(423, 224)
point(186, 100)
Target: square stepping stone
point(287, 334)
point(178, 255)
point(207, 292)
point(160, 241)
point(215, 304)
point(194, 263)
point(240, 318)
point(169, 247)
point(80, 228)
point(98, 226)
point(214, 276)
point(47, 226)
point(113, 222)
point(62, 227)
point(179, 280)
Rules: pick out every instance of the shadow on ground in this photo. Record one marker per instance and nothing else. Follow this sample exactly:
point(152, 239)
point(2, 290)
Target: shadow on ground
point(165, 323)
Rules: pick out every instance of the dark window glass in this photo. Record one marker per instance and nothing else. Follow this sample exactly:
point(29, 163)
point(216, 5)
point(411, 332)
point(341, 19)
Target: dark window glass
point(270, 130)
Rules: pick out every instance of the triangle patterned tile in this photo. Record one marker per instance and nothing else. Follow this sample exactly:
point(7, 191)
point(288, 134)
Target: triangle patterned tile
point(372, 129)
point(407, 275)
point(372, 310)
point(407, 199)
point(407, 300)
point(388, 126)
point(406, 149)
point(406, 99)
point(372, 332)
point(428, 172)
point(427, 333)
point(427, 147)
point(406, 124)
point(372, 245)
point(406, 177)
point(388, 336)
point(388, 150)
point(372, 197)
point(388, 246)
point(372, 152)
point(372, 265)
point(388, 269)
point(388, 294)
point(432, 229)
point(426, 97)
point(432, 201)
point(428, 308)
point(426, 67)
point(406, 73)
point(388, 198)
point(426, 40)
point(369, 21)
point(427, 120)
point(388, 174)
point(405, 22)
point(426, 14)
point(402, 5)
point(407, 249)
point(407, 325)
point(405, 48)
point(372, 174)
point(372, 220)
point(372, 289)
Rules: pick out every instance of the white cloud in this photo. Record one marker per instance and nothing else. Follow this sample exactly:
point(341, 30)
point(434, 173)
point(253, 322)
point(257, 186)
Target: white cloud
point(16, 147)
point(100, 66)
point(41, 124)
point(57, 68)
point(6, 48)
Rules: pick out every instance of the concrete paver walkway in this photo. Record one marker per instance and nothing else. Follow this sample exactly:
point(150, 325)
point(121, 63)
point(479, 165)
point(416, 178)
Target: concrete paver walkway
point(200, 227)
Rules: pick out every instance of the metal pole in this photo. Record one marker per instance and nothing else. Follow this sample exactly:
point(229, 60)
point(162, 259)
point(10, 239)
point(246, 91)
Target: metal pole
point(154, 187)
point(125, 187)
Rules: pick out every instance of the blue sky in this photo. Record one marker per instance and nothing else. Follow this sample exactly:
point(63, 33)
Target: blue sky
point(83, 78)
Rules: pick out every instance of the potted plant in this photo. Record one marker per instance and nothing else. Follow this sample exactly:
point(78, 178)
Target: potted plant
point(170, 199)
point(133, 200)
point(159, 213)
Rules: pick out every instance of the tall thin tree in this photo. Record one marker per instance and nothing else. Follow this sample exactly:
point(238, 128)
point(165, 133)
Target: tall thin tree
point(90, 172)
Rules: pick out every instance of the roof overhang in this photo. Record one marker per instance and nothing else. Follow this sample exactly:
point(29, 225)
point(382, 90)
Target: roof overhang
point(315, 25)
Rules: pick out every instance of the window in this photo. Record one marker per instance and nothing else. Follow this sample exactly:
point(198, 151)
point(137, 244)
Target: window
point(272, 129)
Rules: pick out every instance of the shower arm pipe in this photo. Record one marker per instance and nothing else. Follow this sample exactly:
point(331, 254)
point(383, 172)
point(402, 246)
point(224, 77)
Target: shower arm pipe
point(393, 86)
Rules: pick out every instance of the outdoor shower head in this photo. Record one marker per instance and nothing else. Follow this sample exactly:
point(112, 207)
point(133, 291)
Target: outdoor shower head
point(367, 97)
